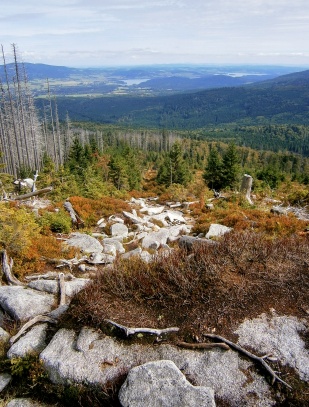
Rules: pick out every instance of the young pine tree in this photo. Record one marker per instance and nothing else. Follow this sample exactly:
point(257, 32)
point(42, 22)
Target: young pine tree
point(213, 175)
point(174, 169)
point(231, 167)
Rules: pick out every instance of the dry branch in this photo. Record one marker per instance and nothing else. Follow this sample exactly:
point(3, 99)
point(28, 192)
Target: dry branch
point(202, 345)
point(30, 194)
point(29, 324)
point(131, 331)
point(7, 270)
point(50, 275)
point(252, 356)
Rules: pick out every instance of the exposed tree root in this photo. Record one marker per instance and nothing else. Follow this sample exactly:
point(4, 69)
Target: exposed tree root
point(202, 345)
point(260, 359)
point(131, 331)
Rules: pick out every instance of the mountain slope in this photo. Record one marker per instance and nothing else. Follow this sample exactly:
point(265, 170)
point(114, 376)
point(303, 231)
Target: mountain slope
point(280, 100)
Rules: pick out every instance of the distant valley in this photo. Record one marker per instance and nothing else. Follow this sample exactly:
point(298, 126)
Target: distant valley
point(141, 81)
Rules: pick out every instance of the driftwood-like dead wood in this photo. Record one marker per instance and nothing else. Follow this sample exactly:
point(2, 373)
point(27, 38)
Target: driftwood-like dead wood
point(50, 275)
point(29, 324)
point(7, 270)
point(62, 289)
point(76, 220)
point(246, 186)
point(202, 345)
point(34, 193)
point(131, 331)
point(260, 359)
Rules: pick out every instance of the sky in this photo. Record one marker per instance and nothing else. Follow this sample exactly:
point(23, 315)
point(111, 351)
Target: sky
point(89, 33)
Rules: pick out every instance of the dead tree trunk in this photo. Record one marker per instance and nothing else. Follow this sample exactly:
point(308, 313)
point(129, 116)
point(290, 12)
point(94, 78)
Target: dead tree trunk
point(76, 220)
point(246, 186)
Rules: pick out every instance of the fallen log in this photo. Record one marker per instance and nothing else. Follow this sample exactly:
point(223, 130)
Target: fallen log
point(259, 359)
point(7, 270)
point(50, 275)
point(131, 331)
point(34, 193)
point(188, 345)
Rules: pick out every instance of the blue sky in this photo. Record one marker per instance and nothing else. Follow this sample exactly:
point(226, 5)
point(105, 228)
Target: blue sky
point(84, 33)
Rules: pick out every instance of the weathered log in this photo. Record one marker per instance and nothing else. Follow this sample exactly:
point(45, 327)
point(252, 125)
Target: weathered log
point(29, 324)
point(202, 345)
point(260, 359)
point(50, 275)
point(7, 270)
point(246, 186)
point(34, 193)
point(131, 331)
point(76, 220)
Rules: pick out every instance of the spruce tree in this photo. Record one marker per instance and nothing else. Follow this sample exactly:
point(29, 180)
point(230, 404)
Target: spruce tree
point(213, 175)
point(231, 167)
point(174, 169)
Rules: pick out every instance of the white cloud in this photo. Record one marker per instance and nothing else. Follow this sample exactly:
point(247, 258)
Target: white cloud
point(64, 31)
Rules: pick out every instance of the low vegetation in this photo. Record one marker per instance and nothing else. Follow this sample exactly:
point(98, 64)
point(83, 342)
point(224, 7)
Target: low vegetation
point(215, 286)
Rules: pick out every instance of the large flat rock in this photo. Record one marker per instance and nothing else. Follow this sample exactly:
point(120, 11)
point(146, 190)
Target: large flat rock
point(90, 357)
point(161, 384)
point(24, 303)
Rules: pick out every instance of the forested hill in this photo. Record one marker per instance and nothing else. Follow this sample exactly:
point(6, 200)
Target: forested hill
point(283, 100)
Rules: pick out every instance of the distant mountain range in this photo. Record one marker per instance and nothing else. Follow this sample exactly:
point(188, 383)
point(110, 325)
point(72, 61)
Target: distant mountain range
point(144, 80)
point(178, 97)
point(280, 100)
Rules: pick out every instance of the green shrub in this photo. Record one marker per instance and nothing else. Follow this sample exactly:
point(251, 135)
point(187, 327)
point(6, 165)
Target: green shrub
point(57, 222)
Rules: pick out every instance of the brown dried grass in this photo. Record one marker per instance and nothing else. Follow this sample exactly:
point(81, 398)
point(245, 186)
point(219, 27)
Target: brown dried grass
point(214, 286)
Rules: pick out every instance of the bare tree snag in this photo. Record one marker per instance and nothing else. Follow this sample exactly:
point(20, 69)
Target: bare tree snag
point(29, 324)
point(131, 331)
point(202, 345)
point(246, 186)
point(30, 194)
point(76, 220)
point(62, 289)
point(260, 359)
point(7, 270)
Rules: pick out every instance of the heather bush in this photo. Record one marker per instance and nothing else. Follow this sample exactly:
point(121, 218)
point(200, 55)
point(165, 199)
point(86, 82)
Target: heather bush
point(242, 275)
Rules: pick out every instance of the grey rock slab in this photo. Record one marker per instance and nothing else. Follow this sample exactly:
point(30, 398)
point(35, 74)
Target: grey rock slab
point(101, 258)
point(85, 243)
point(93, 358)
point(132, 253)
point(133, 218)
point(4, 336)
point(217, 230)
point(24, 303)
point(119, 229)
point(155, 239)
point(187, 242)
point(114, 242)
point(109, 249)
point(161, 384)
point(23, 402)
point(5, 379)
point(279, 336)
point(51, 286)
point(152, 210)
point(34, 341)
